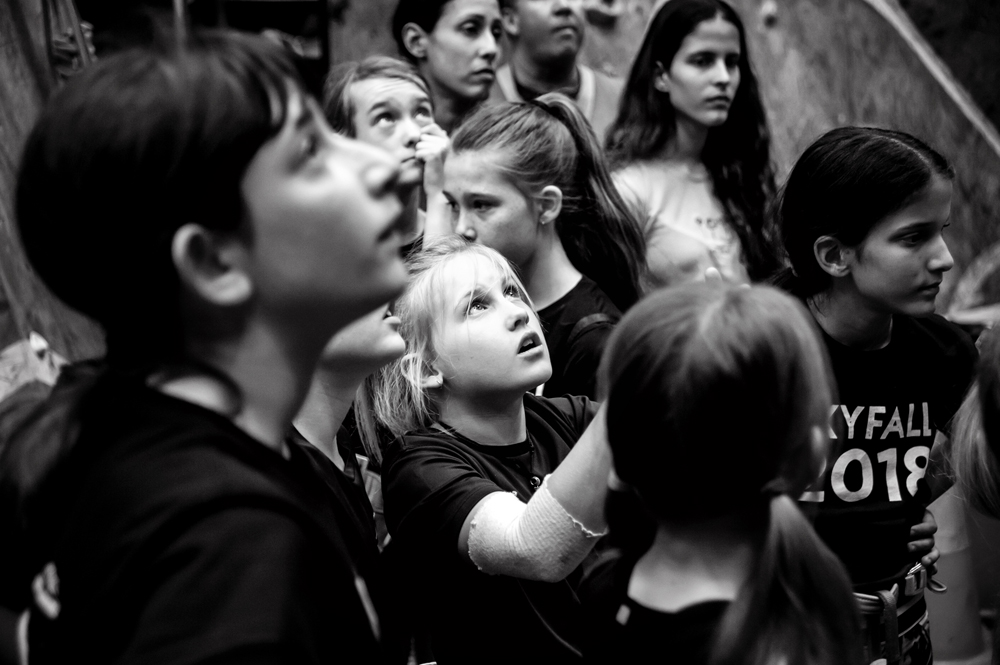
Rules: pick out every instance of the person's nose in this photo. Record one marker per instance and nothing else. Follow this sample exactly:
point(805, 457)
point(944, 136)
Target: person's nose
point(464, 228)
point(489, 48)
point(941, 260)
point(721, 74)
point(517, 317)
point(410, 129)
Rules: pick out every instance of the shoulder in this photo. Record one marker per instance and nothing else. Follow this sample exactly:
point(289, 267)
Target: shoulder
point(606, 84)
point(571, 414)
point(935, 338)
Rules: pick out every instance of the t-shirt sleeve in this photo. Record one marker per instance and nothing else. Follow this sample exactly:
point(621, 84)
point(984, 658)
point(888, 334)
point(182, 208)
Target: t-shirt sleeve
point(429, 490)
point(245, 584)
point(584, 357)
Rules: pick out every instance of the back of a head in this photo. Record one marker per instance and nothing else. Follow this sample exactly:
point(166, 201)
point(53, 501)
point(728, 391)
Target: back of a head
point(338, 105)
point(549, 142)
point(844, 184)
point(733, 380)
point(717, 405)
point(975, 454)
point(129, 150)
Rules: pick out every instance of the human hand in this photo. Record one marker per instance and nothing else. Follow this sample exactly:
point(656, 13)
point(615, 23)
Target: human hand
point(431, 150)
point(922, 542)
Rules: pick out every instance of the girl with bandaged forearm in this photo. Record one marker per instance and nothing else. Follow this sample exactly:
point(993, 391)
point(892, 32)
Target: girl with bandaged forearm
point(493, 496)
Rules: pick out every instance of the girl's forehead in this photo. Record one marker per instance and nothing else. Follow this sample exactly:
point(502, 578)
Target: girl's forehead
point(369, 92)
point(469, 270)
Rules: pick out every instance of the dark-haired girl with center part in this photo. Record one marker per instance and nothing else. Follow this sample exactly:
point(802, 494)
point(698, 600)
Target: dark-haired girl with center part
point(863, 217)
point(151, 510)
point(717, 401)
point(691, 148)
point(529, 180)
point(455, 44)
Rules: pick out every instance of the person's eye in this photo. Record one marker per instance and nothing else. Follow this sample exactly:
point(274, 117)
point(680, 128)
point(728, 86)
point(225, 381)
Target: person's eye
point(700, 60)
point(383, 119)
point(497, 31)
point(423, 113)
point(312, 145)
point(733, 61)
point(481, 206)
point(511, 291)
point(470, 29)
point(478, 305)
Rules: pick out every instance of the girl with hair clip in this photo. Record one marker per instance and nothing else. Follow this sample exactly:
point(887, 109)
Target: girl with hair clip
point(862, 217)
point(152, 509)
point(735, 573)
point(385, 102)
point(529, 180)
point(455, 45)
point(495, 496)
point(692, 148)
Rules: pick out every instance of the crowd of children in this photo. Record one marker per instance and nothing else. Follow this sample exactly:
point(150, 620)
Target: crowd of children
point(432, 370)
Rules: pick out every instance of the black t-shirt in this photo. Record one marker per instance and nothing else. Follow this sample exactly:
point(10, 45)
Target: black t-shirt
point(621, 630)
point(892, 402)
point(178, 538)
point(576, 328)
point(431, 481)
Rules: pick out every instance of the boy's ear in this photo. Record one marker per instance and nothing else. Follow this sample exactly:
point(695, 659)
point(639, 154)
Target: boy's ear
point(415, 40)
point(211, 265)
point(661, 79)
point(833, 256)
point(510, 21)
point(549, 204)
point(432, 381)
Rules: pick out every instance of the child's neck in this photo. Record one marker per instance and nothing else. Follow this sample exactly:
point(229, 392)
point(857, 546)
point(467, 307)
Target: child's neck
point(327, 403)
point(549, 275)
point(687, 143)
point(844, 317)
point(691, 564)
point(496, 422)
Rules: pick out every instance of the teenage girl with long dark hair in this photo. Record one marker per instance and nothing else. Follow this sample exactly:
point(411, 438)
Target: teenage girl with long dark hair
point(691, 147)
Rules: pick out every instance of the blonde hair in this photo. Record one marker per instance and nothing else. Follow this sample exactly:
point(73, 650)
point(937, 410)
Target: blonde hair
point(401, 401)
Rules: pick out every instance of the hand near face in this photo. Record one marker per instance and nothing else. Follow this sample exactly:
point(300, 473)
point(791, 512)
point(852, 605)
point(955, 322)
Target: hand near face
point(431, 149)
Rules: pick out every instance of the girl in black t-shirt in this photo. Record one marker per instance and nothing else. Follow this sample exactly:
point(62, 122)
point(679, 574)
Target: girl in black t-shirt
point(717, 401)
point(529, 180)
point(494, 495)
point(862, 217)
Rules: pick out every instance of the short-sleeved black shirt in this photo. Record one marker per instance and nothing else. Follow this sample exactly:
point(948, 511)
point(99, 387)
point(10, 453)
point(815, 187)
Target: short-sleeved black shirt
point(620, 630)
point(892, 402)
point(178, 538)
point(576, 328)
point(431, 481)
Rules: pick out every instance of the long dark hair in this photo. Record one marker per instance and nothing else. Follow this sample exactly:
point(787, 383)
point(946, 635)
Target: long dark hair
point(735, 382)
point(737, 154)
point(549, 142)
point(845, 183)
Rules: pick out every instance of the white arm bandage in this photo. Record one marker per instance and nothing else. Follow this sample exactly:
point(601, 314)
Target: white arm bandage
point(535, 541)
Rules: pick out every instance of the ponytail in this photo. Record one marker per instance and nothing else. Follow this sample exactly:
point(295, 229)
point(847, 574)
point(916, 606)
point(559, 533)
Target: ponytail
point(549, 142)
point(599, 231)
point(796, 606)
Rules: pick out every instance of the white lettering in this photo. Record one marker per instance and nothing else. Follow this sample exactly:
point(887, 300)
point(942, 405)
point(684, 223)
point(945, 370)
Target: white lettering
point(909, 424)
point(892, 482)
point(873, 422)
point(867, 475)
point(927, 421)
point(851, 419)
point(833, 410)
point(895, 425)
point(816, 496)
point(916, 470)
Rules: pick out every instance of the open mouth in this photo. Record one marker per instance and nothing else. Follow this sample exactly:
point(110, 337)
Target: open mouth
point(529, 342)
